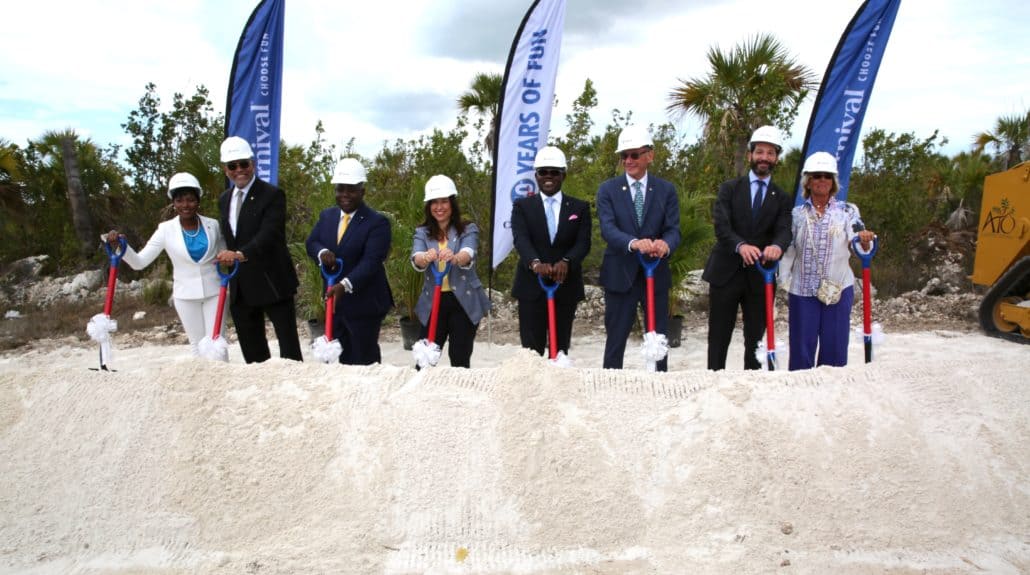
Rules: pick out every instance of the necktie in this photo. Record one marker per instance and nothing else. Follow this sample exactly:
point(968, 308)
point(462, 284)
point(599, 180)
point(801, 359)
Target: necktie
point(638, 202)
point(344, 221)
point(757, 203)
point(552, 221)
point(239, 207)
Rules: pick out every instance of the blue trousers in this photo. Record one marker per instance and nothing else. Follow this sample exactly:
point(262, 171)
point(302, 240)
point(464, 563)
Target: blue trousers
point(620, 311)
point(817, 326)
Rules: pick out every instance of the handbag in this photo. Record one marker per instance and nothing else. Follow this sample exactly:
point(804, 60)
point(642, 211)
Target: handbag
point(829, 291)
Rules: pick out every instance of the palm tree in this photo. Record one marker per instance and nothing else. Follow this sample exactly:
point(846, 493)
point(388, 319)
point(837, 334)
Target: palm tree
point(755, 84)
point(1010, 134)
point(12, 205)
point(483, 97)
point(81, 221)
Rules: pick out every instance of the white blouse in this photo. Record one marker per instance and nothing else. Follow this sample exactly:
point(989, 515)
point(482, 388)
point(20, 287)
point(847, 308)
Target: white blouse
point(821, 247)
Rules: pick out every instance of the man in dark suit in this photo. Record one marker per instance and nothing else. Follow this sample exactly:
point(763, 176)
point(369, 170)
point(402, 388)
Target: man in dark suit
point(551, 245)
point(253, 221)
point(752, 222)
point(360, 237)
point(638, 212)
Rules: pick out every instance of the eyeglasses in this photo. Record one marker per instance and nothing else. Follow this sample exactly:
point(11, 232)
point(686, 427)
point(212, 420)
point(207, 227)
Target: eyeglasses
point(241, 164)
point(549, 172)
point(820, 176)
point(634, 155)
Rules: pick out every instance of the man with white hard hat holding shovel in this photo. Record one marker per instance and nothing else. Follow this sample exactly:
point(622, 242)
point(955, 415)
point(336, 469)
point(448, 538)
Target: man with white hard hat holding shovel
point(253, 222)
point(551, 233)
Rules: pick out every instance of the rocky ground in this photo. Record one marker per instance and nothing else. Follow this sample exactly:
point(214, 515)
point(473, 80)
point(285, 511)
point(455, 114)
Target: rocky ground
point(45, 311)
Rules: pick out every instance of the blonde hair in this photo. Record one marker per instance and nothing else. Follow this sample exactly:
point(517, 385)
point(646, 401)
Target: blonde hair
point(805, 193)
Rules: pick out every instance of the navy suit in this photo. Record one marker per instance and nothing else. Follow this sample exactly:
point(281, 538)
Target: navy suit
point(621, 273)
point(266, 282)
point(731, 283)
point(358, 315)
point(532, 240)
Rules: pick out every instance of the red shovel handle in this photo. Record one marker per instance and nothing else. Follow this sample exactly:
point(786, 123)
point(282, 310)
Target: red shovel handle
point(218, 314)
point(769, 275)
point(112, 279)
point(114, 257)
point(552, 321)
point(434, 315)
point(650, 304)
point(552, 328)
point(330, 303)
point(770, 340)
point(224, 278)
point(649, 267)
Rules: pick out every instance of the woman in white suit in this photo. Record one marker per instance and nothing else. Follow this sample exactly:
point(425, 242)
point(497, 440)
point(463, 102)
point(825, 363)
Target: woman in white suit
point(191, 241)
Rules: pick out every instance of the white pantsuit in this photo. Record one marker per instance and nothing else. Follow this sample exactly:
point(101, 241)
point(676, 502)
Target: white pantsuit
point(195, 285)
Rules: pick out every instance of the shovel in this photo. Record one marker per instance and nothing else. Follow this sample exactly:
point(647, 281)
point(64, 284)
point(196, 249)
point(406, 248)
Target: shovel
point(325, 348)
point(426, 352)
point(101, 325)
point(867, 297)
point(214, 346)
point(769, 273)
point(655, 346)
point(552, 322)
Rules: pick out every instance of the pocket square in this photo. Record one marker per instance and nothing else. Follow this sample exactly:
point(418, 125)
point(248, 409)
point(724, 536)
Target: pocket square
point(573, 217)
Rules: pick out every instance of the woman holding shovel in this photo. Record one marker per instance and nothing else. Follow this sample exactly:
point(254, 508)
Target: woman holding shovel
point(445, 239)
point(191, 241)
point(815, 268)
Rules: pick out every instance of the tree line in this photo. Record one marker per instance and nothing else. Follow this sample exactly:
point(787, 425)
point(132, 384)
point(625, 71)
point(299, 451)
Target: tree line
point(903, 183)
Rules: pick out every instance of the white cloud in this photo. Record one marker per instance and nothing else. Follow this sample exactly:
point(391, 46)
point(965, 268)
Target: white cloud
point(377, 71)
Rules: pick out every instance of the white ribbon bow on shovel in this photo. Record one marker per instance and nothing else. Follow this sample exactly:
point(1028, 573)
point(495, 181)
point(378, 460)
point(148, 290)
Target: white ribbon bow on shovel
point(326, 348)
point(101, 325)
point(214, 346)
point(426, 351)
point(655, 346)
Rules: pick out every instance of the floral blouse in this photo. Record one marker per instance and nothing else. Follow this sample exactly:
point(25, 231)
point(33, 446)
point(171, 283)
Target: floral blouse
point(821, 247)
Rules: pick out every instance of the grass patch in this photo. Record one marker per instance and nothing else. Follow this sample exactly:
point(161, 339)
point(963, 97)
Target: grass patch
point(69, 319)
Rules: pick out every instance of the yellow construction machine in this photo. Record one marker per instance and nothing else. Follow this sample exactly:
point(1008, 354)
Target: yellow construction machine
point(1003, 254)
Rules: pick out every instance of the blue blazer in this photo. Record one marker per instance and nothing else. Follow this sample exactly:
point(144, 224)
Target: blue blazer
point(617, 218)
point(363, 249)
point(464, 282)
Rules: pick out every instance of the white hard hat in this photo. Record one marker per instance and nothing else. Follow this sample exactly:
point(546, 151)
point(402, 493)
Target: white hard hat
point(820, 162)
point(768, 135)
point(184, 180)
point(348, 171)
point(549, 157)
point(633, 137)
point(439, 187)
point(235, 148)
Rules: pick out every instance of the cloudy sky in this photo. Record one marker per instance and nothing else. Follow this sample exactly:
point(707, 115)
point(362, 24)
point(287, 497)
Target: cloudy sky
point(380, 70)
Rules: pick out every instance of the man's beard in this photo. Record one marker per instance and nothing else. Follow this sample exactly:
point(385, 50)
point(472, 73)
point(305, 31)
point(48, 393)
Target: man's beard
point(755, 167)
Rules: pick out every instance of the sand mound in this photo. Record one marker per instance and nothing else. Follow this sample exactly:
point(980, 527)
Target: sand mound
point(173, 465)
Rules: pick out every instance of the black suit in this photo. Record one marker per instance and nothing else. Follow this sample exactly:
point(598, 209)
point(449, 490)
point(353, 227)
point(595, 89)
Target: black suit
point(731, 283)
point(267, 281)
point(533, 242)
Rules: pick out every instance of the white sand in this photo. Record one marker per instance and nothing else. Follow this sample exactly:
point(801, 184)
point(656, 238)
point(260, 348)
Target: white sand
point(916, 463)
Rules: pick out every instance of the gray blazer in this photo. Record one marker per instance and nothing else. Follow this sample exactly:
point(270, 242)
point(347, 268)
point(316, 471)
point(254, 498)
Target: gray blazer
point(464, 282)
